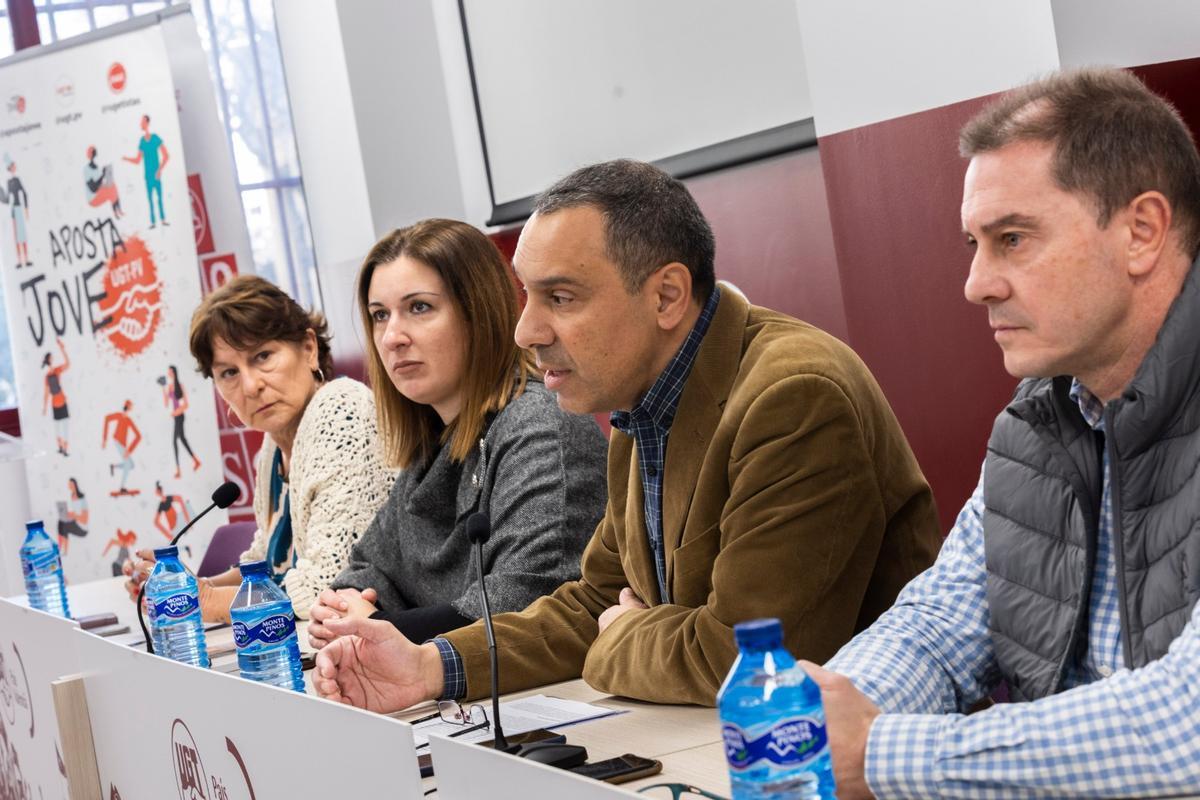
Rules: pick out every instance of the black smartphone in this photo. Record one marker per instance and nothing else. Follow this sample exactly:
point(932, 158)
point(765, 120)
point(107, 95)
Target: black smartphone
point(620, 769)
point(425, 760)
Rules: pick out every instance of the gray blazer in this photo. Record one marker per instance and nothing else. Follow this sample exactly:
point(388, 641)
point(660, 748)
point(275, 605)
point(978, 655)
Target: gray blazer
point(538, 472)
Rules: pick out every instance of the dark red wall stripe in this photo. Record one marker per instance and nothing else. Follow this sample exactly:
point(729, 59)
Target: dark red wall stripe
point(1179, 82)
point(895, 189)
point(771, 222)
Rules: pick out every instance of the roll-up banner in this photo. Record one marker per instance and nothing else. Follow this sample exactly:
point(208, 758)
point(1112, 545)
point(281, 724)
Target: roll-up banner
point(102, 193)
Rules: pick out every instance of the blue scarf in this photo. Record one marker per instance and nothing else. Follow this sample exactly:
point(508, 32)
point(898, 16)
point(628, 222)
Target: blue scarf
point(281, 537)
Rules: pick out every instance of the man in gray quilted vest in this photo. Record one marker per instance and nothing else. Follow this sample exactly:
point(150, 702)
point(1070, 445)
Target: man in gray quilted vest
point(1072, 573)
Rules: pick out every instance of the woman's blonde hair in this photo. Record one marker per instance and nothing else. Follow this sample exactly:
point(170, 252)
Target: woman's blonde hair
point(495, 370)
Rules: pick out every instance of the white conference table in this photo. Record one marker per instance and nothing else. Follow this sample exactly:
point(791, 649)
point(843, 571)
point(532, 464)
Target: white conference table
point(686, 739)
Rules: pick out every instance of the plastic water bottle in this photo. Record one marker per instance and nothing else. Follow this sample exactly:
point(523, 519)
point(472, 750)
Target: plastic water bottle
point(173, 601)
point(264, 630)
point(773, 722)
point(42, 567)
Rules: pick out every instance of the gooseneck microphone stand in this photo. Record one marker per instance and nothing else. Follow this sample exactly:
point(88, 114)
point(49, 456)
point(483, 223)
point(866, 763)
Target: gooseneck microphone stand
point(225, 496)
point(479, 530)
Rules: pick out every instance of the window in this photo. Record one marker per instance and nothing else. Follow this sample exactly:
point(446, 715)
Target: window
point(247, 71)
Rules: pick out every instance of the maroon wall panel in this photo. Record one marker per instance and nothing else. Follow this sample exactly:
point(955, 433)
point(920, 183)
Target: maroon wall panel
point(1177, 81)
point(895, 190)
point(771, 222)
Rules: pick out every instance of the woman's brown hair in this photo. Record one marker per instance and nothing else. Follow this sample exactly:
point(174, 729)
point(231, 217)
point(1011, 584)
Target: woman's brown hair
point(494, 369)
point(248, 311)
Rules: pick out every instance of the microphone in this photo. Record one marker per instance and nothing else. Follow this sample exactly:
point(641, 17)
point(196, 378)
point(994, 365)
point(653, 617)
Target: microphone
point(565, 756)
point(479, 530)
point(225, 496)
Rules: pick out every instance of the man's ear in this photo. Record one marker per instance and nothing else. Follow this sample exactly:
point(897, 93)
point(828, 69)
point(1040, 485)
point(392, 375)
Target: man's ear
point(672, 288)
point(1148, 217)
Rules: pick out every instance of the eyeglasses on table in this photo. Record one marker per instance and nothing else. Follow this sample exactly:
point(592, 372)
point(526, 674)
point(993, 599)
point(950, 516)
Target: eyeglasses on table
point(473, 717)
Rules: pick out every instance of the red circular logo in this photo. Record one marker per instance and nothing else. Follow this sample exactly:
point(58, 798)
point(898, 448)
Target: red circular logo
point(116, 77)
point(132, 298)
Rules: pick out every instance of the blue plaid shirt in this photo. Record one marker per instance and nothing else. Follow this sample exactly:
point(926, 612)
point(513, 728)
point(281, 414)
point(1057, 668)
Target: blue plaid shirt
point(649, 422)
point(1113, 733)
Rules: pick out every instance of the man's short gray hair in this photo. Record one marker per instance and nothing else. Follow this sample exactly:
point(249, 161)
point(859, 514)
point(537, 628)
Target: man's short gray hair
point(650, 220)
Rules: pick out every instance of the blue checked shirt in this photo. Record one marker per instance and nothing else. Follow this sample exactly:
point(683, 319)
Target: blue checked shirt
point(1113, 733)
point(649, 423)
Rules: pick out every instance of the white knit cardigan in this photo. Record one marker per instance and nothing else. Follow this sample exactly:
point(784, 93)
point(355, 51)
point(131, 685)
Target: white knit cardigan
point(336, 480)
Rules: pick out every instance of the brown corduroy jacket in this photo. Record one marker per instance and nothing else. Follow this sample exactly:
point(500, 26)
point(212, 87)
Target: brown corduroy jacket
point(789, 491)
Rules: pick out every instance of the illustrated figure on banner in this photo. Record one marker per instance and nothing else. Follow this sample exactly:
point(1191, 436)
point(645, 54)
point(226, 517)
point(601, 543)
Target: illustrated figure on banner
point(18, 201)
point(72, 515)
point(124, 542)
point(99, 183)
point(153, 156)
point(126, 436)
point(55, 397)
point(175, 399)
point(166, 519)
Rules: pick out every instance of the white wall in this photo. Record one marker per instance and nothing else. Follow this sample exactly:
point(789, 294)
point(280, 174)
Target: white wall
point(873, 60)
point(460, 102)
point(400, 102)
point(331, 158)
point(380, 138)
point(1126, 34)
point(564, 84)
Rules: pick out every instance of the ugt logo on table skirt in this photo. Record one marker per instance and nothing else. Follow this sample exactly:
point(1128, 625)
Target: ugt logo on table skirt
point(190, 777)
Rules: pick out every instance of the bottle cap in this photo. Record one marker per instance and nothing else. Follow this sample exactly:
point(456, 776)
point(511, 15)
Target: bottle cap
point(166, 552)
point(34, 524)
point(253, 569)
point(759, 634)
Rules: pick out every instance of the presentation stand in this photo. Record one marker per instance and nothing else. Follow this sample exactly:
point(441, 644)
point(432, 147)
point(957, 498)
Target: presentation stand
point(87, 717)
point(164, 729)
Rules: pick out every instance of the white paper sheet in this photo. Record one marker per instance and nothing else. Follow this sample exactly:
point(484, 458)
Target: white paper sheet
point(518, 716)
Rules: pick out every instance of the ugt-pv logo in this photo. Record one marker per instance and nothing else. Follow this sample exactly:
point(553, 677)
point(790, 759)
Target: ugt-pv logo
point(190, 777)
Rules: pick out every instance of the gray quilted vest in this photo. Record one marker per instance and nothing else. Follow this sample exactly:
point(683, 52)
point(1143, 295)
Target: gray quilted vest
point(1042, 489)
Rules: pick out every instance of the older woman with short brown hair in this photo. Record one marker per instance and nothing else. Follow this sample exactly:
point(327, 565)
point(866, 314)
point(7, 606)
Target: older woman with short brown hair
point(320, 475)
